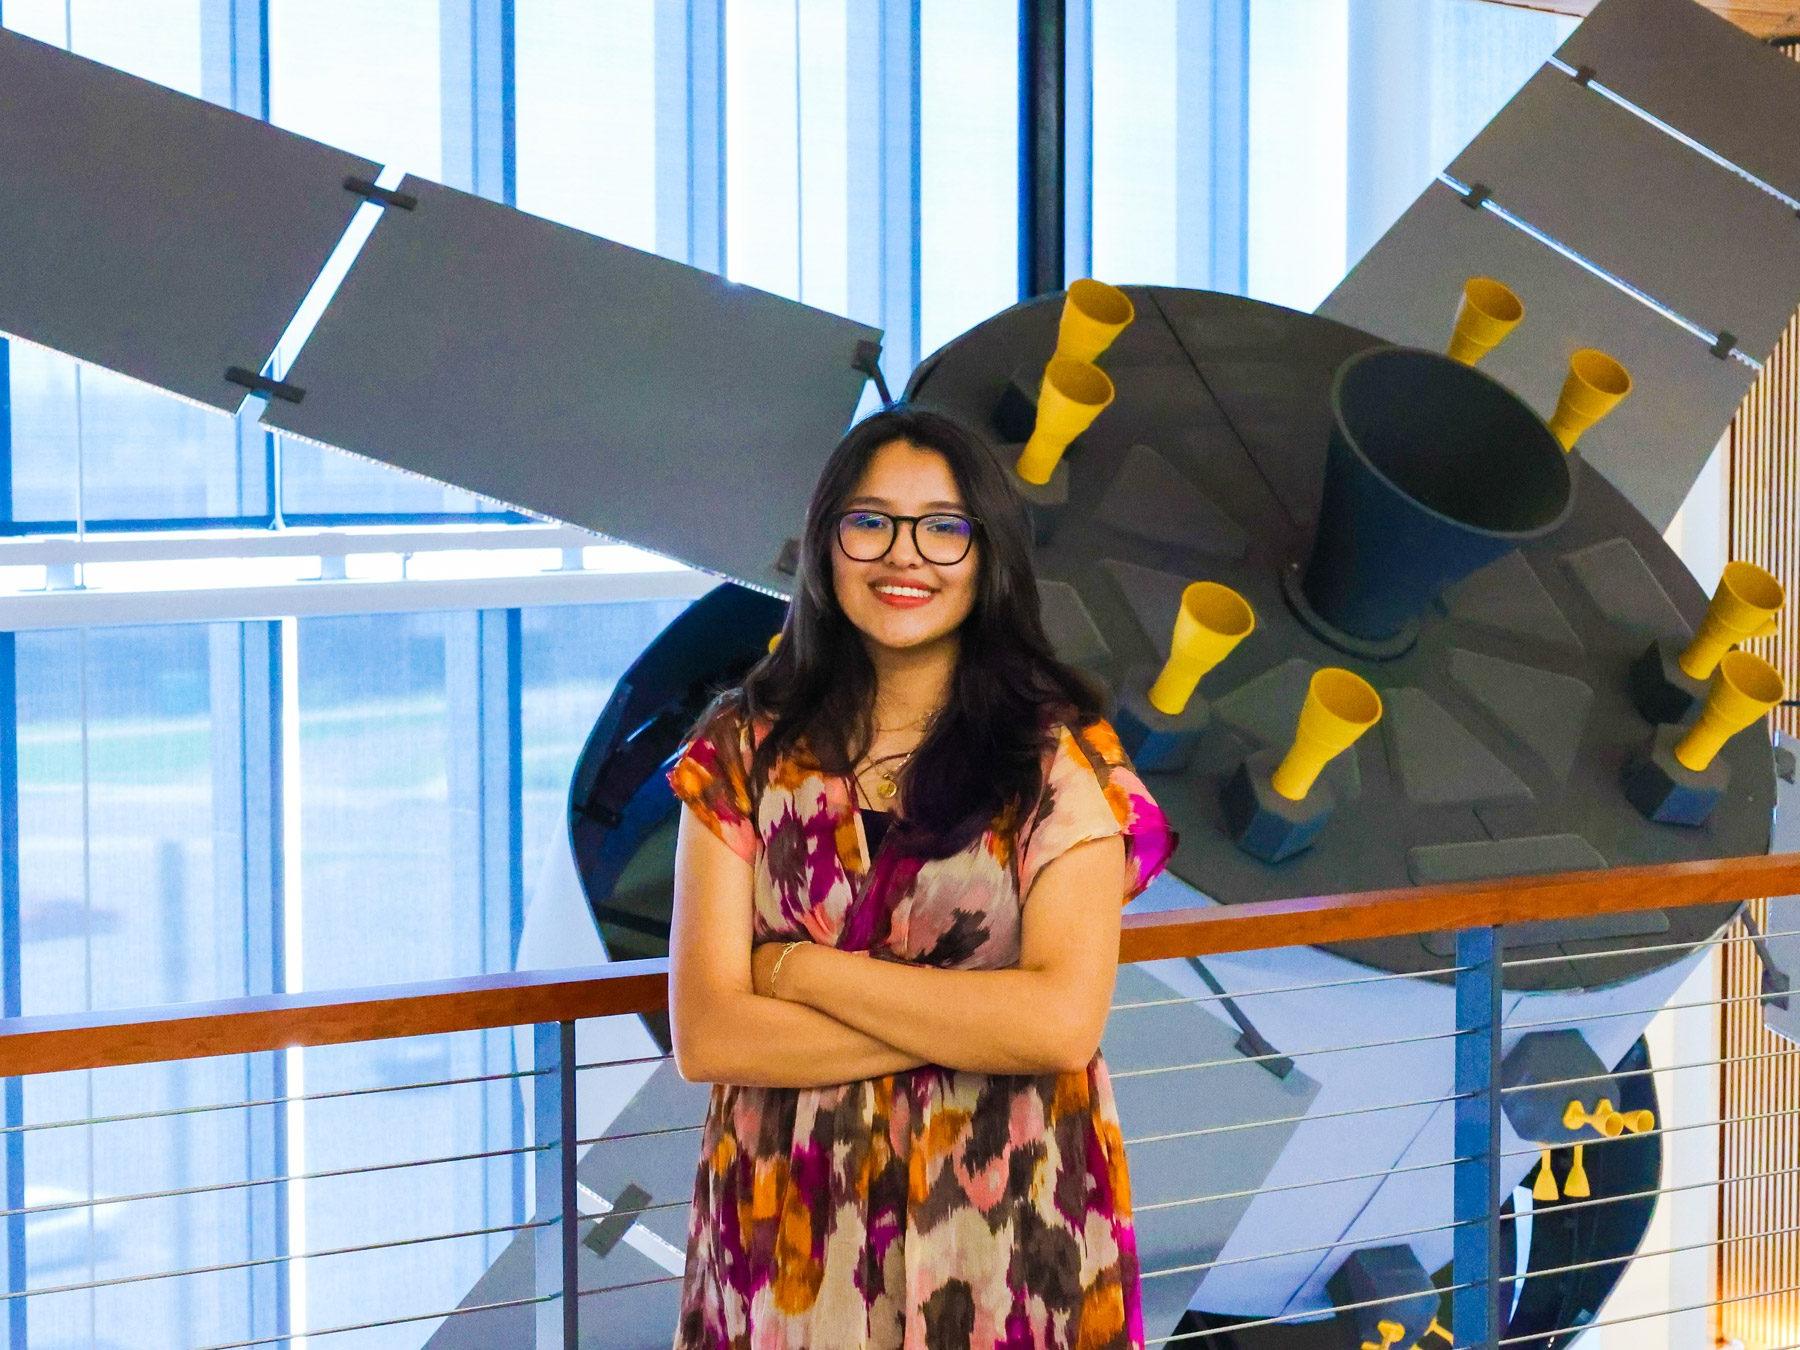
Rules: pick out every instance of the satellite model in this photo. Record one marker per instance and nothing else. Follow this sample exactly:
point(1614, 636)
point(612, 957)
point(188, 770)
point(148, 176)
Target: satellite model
point(1380, 596)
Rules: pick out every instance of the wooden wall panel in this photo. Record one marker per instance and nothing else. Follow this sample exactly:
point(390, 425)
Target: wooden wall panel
point(1764, 1094)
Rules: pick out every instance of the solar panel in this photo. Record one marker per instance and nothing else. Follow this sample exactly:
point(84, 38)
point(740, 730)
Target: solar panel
point(153, 233)
point(580, 379)
point(1701, 74)
point(1641, 205)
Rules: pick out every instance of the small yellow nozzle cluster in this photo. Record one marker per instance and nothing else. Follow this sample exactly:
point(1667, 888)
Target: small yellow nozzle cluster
point(1486, 314)
point(1212, 620)
point(1074, 390)
point(1340, 705)
point(1604, 1121)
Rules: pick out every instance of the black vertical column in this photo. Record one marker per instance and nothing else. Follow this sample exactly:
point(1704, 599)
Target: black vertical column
point(1042, 38)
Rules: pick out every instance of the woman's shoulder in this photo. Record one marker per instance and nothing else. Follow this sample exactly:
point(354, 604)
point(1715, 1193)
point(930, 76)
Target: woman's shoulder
point(728, 719)
point(1085, 738)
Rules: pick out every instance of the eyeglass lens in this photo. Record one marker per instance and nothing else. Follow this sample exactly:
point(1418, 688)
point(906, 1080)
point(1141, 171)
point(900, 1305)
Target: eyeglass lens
point(940, 539)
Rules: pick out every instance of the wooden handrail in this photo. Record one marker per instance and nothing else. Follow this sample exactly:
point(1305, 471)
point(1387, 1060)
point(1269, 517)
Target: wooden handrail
point(30, 1045)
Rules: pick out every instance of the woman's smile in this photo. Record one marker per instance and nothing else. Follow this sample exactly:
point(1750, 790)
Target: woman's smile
point(902, 595)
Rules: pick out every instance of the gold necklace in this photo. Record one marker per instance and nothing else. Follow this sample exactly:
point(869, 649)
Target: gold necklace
point(887, 789)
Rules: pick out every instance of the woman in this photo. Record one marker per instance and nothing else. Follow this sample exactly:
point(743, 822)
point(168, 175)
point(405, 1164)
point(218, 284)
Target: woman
point(897, 894)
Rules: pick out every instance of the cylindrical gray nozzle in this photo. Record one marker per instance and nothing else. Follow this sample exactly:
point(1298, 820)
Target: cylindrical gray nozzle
point(1433, 470)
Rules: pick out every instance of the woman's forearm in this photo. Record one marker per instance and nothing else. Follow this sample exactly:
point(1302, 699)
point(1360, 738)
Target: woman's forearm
point(983, 1021)
point(766, 1042)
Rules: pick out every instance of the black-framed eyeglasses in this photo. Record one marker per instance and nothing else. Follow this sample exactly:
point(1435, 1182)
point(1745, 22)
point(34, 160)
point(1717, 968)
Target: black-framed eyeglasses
point(941, 538)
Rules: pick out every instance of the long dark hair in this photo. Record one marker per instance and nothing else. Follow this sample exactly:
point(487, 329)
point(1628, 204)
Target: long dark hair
point(982, 754)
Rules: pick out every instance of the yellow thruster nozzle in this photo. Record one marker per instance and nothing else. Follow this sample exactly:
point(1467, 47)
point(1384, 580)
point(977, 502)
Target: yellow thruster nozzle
point(1744, 687)
point(1485, 315)
point(1093, 314)
point(1212, 620)
point(1744, 606)
point(1577, 1187)
point(1603, 1118)
point(1593, 388)
point(1340, 706)
point(1073, 394)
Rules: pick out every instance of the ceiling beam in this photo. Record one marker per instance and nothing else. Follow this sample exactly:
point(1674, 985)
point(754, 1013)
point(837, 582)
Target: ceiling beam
point(1763, 18)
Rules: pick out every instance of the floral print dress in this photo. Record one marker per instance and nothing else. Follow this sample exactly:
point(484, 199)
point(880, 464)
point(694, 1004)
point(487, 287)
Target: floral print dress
point(933, 1208)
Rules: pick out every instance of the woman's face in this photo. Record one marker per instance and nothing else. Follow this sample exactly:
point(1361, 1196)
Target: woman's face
point(904, 480)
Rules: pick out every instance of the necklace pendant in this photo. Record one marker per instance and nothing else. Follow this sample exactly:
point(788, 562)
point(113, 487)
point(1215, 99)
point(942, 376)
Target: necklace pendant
point(886, 788)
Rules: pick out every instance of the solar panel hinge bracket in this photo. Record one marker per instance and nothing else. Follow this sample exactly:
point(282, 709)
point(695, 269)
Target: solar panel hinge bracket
point(381, 196)
point(262, 384)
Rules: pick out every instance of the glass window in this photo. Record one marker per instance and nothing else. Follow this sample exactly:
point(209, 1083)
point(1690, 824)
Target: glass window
point(131, 895)
point(1297, 187)
point(969, 164)
point(1135, 143)
point(368, 78)
point(392, 890)
point(572, 657)
point(587, 124)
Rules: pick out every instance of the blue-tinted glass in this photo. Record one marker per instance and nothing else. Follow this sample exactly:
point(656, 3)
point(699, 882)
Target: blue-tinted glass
point(127, 901)
point(787, 188)
point(361, 76)
point(88, 444)
point(1297, 129)
point(969, 164)
point(391, 890)
point(1136, 141)
point(587, 115)
point(572, 657)
point(95, 446)
point(762, 175)
point(1423, 79)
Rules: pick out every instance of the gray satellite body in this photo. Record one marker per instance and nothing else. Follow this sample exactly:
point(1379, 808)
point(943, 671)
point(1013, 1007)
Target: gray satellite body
point(610, 389)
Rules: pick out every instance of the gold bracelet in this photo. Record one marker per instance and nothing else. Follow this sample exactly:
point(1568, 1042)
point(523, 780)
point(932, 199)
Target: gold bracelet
point(775, 973)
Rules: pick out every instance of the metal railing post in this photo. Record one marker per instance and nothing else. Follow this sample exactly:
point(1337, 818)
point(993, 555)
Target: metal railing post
point(1475, 1306)
point(556, 1243)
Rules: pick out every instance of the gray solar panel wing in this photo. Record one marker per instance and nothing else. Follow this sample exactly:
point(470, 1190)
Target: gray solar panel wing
point(1700, 74)
point(1632, 210)
point(153, 233)
point(582, 380)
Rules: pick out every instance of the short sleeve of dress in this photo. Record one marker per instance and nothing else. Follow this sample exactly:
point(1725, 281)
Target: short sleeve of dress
point(709, 775)
point(1091, 791)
